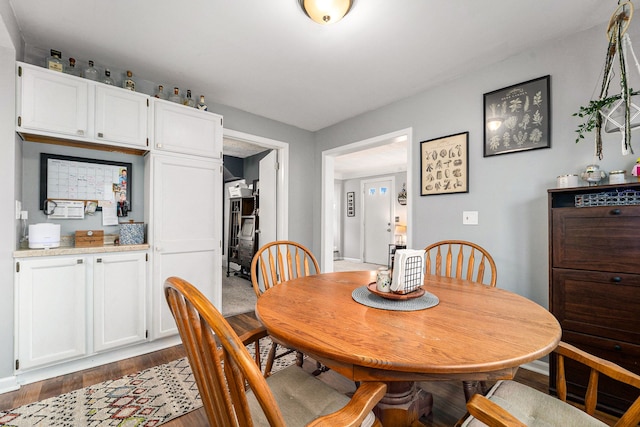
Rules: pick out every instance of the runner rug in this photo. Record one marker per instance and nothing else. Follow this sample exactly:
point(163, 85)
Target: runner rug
point(144, 399)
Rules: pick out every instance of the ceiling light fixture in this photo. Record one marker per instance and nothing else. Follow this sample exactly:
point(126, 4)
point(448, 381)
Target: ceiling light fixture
point(326, 11)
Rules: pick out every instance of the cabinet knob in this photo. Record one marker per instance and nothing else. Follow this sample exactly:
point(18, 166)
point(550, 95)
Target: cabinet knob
point(617, 347)
point(616, 279)
point(616, 211)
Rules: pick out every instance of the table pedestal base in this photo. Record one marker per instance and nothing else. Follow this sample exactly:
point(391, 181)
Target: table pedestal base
point(403, 404)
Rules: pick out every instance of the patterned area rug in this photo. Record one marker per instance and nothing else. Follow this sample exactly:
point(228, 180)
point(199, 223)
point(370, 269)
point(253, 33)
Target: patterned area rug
point(145, 399)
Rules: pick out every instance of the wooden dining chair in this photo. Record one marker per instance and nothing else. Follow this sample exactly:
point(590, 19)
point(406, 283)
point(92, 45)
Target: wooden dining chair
point(472, 261)
point(233, 390)
point(272, 264)
point(462, 260)
point(513, 404)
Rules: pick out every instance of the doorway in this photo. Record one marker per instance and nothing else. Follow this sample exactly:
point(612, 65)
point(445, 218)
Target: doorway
point(330, 198)
point(238, 295)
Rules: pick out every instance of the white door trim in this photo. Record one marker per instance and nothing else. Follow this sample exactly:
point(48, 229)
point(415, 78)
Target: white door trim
point(327, 182)
point(282, 208)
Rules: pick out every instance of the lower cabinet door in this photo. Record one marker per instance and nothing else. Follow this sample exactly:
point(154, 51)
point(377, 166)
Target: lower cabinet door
point(119, 295)
point(51, 311)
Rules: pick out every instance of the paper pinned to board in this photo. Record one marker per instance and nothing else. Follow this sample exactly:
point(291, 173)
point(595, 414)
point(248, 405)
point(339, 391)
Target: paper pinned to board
point(109, 213)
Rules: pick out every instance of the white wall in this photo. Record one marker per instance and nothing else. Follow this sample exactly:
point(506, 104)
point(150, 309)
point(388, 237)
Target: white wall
point(509, 191)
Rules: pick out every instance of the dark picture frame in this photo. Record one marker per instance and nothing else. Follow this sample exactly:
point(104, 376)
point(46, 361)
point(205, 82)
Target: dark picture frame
point(351, 203)
point(47, 178)
point(518, 117)
point(444, 165)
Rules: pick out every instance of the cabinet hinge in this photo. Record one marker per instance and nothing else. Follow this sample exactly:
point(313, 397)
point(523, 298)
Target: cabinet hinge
point(147, 102)
point(18, 267)
point(147, 142)
point(146, 257)
point(17, 365)
point(19, 121)
point(146, 333)
point(277, 165)
point(20, 71)
point(99, 260)
point(221, 154)
point(220, 121)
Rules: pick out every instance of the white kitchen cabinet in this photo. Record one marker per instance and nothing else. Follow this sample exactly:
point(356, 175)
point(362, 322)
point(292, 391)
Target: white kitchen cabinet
point(181, 129)
point(52, 103)
point(56, 105)
point(51, 310)
point(72, 307)
point(185, 229)
point(119, 300)
point(121, 116)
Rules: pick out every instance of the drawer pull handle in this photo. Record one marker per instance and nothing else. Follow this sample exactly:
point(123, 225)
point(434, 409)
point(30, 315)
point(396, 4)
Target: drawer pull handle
point(616, 279)
point(617, 347)
point(616, 212)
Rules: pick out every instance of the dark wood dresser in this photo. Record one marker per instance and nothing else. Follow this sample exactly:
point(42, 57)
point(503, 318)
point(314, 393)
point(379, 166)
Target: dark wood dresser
point(594, 281)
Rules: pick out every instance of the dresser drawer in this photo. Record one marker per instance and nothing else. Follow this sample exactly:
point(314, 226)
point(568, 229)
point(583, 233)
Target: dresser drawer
point(597, 303)
point(603, 238)
point(614, 397)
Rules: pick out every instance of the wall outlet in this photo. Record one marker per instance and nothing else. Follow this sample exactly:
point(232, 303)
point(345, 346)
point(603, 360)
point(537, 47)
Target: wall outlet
point(18, 208)
point(470, 217)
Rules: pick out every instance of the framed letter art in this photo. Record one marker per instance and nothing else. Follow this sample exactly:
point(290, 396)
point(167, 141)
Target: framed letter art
point(444, 165)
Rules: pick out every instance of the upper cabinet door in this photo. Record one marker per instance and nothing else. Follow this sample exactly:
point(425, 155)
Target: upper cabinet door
point(186, 130)
point(52, 102)
point(122, 116)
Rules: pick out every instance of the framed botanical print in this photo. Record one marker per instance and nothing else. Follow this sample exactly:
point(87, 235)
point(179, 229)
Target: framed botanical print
point(518, 118)
point(444, 165)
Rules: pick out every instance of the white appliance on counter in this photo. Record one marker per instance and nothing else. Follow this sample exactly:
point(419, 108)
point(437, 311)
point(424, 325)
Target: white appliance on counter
point(44, 235)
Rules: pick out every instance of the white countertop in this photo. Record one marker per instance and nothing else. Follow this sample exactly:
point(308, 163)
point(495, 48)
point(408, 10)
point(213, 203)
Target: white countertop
point(70, 250)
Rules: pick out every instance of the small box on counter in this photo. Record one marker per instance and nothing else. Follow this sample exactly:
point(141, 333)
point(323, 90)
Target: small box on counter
point(89, 238)
point(131, 233)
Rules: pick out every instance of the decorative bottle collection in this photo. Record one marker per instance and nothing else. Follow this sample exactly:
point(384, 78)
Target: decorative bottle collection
point(54, 62)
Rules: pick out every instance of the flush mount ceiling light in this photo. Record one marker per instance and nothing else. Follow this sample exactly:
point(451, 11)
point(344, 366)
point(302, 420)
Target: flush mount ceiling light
point(326, 11)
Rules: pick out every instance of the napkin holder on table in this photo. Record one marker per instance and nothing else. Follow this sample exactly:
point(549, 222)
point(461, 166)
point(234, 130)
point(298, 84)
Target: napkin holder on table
point(408, 271)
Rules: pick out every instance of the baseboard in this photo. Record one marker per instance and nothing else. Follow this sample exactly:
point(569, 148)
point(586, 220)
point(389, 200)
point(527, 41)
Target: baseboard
point(9, 384)
point(351, 259)
point(538, 367)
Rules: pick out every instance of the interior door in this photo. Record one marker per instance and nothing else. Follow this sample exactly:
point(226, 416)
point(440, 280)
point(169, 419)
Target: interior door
point(268, 198)
point(377, 214)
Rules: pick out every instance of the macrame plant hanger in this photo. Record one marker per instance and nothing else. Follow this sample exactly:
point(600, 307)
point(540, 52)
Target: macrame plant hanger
point(622, 112)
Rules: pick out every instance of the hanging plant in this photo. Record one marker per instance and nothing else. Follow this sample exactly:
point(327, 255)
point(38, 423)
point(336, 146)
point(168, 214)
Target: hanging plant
point(605, 107)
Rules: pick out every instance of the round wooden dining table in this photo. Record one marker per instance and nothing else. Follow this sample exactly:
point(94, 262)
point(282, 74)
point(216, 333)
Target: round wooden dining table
point(474, 333)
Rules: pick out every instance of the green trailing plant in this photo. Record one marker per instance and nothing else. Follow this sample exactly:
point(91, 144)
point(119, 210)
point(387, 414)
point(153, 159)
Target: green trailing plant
point(592, 113)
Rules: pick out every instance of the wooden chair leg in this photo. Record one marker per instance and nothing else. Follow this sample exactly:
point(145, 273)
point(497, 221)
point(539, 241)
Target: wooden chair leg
point(270, 358)
point(299, 358)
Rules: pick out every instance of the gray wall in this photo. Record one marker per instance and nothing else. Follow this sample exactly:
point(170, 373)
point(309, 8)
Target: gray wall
point(509, 191)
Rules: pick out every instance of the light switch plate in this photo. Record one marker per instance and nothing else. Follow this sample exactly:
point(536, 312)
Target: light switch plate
point(470, 217)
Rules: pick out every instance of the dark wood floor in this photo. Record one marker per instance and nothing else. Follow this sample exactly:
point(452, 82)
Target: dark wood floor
point(448, 396)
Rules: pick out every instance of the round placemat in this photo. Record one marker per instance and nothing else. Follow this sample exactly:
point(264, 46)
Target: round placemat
point(364, 297)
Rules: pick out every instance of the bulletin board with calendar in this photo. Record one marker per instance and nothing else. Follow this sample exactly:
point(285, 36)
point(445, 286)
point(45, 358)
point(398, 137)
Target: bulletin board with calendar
point(76, 178)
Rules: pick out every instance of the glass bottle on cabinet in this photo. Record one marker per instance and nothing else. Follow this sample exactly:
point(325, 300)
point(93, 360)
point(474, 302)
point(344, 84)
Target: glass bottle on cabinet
point(91, 72)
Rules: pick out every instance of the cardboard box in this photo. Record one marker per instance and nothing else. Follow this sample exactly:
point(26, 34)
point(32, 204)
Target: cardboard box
point(89, 238)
